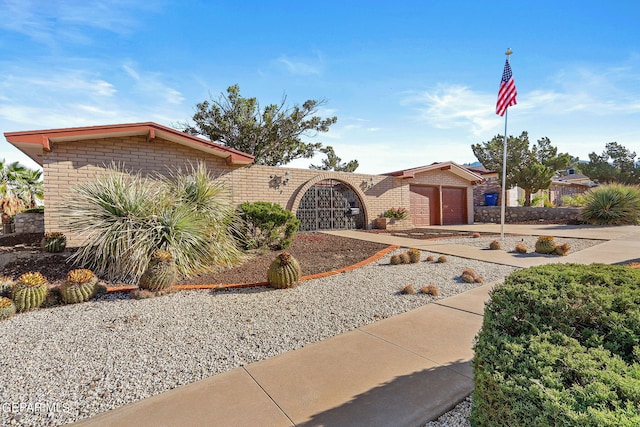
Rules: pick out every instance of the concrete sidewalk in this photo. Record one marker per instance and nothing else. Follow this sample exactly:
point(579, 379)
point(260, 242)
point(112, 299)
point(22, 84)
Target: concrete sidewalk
point(400, 371)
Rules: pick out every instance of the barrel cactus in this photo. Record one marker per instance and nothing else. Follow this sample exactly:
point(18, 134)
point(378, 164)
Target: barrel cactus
point(545, 245)
point(495, 245)
point(405, 258)
point(414, 255)
point(54, 242)
point(6, 285)
point(161, 273)
point(284, 271)
point(395, 260)
point(80, 286)
point(29, 291)
point(7, 308)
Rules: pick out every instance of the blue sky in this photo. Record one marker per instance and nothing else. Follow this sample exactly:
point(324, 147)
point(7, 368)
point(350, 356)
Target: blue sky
point(411, 82)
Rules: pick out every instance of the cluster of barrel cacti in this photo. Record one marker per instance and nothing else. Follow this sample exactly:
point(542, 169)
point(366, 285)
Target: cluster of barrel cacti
point(284, 272)
point(470, 276)
point(547, 245)
point(54, 242)
point(80, 286)
point(161, 273)
point(29, 291)
point(411, 256)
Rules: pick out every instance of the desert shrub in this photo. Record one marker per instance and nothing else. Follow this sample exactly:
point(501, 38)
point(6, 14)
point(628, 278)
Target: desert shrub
point(520, 248)
point(408, 290)
point(574, 200)
point(430, 289)
point(266, 224)
point(614, 204)
point(397, 213)
point(559, 346)
point(495, 245)
point(123, 218)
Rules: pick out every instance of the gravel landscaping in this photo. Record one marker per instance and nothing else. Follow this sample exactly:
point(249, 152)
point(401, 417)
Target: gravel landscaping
point(80, 360)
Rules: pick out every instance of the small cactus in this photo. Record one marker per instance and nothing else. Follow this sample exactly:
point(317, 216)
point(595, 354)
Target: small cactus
point(395, 260)
point(475, 235)
point(442, 259)
point(54, 242)
point(408, 290)
point(29, 291)
point(430, 258)
point(520, 248)
point(414, 255)
point(284, 272)
point(545, 245)
point(6, 284)
point(7, 308)
point(161, 273)
point(430, 289)
point(495, 245)
point(470, 276)
point(562, 250)
point(405, 258)
point(80, 286)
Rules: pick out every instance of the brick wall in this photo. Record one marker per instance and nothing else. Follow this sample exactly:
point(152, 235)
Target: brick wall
point(491, 214)
point(78, 161)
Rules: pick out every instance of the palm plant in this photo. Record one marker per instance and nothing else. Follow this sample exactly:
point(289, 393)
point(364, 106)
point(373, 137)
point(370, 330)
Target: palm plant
point(29, 187)
point(8, 174)
point(123, 218)
point(614, 204)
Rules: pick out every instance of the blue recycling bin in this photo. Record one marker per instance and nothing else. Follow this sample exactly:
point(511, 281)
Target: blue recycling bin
point(491, 199)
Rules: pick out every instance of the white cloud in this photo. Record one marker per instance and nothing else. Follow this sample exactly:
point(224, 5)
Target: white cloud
point(151, 84)
point(301, 66)
point(455, 106)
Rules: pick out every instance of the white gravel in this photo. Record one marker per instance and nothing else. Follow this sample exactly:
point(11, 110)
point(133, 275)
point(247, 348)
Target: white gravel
point(510, 242)
point(457, 417)
point(66, 363)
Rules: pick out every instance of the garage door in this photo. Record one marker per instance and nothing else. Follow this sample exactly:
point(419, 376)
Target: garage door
point(454, 205)
point(424, 206)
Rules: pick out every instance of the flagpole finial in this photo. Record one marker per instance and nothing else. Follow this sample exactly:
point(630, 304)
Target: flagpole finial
point(508, 52)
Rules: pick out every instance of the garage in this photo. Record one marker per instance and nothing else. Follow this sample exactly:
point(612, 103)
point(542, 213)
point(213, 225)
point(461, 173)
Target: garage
point(424, 205)
point(454, 205)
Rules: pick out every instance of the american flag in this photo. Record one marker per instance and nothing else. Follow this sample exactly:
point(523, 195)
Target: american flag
point(507, 92)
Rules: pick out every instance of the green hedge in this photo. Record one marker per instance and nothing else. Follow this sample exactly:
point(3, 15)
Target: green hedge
point(560, 346)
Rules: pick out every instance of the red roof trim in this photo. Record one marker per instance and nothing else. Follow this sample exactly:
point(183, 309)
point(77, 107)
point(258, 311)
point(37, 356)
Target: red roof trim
point(152, 130)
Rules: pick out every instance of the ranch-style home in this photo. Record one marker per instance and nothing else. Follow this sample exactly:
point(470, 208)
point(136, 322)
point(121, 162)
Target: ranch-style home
point(437, 194)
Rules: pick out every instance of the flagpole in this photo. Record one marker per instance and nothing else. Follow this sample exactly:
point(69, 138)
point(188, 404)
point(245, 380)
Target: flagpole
point(504, 177)
point(504, 167)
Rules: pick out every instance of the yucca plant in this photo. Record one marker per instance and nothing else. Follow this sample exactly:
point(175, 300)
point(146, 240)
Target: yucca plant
point(124, 217)
point(614, 204)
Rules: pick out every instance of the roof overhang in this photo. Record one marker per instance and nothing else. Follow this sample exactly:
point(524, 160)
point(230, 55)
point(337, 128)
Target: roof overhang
point(37, 142)
point(445, 166)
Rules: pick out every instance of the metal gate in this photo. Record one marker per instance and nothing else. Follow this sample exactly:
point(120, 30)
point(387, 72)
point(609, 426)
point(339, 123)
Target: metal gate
point(330, 205)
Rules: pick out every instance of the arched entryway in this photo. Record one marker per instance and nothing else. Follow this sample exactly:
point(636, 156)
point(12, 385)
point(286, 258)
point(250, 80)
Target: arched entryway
point(330, 205)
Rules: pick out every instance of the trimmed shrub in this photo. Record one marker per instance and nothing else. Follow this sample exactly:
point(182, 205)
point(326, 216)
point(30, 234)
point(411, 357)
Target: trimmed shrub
point(266, 224)
point(560, 346)
point(614, 204)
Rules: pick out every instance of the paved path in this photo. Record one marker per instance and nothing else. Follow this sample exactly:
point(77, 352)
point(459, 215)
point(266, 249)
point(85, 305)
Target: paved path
point(400, 371)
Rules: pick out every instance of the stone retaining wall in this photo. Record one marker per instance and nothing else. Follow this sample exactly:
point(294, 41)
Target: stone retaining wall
point(29, 223)
point(491, 214)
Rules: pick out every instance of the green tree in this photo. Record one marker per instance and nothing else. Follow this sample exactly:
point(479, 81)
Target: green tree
point(28, 187)
point(273, 134)
point(8, 175)
point(530, 168)
point(333, 162)
point(616, 164)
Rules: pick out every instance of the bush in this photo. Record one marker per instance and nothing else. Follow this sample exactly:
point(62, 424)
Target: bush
point(612, 205)
point(39, 209)
point(124, 217)
point(397, 213)
point(574, 200)
point(560, 346)
point(266, 224)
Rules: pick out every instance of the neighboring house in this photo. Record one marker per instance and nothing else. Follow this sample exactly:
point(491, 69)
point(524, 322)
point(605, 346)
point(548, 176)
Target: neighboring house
point(569, 185)
point(441, 193)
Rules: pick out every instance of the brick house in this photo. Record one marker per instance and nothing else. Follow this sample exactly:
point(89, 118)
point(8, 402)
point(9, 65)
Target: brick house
point(441, 193)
